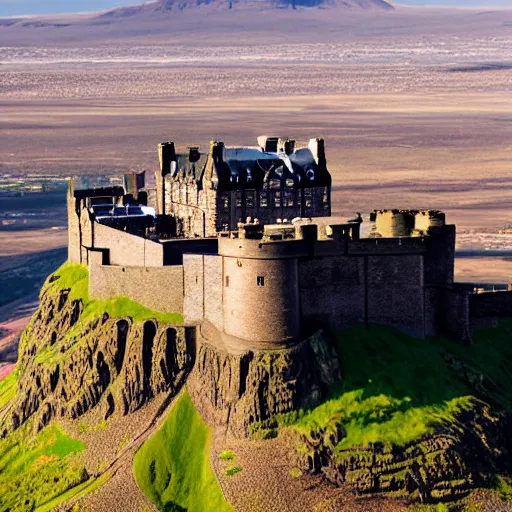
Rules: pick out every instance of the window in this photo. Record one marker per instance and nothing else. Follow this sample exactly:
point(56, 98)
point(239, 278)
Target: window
point(227, 281)
point(239, 200)
point(308, 196)
point(260, 280)
point(325, 199)
point(263, 200)
point(275, 184)
point(249, 199)
point(225, 201)
point(277, 199)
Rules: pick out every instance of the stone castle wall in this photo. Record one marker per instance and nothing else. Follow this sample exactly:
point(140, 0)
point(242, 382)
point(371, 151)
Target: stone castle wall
point(395, 291)
point(274, 291)
point(332, 291)
point(261, 299)
point(491, 304)
point(158, 288)
point(266, 294)
point(203, 277)
point(127, 249)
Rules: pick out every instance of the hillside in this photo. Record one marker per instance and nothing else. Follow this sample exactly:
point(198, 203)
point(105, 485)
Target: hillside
point(111, 397)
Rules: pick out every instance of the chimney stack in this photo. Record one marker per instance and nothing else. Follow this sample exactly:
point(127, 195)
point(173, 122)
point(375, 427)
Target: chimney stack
point(317, 147)
point(268, 144)
point(217, 150)
point(166, 155)
point(289, 146)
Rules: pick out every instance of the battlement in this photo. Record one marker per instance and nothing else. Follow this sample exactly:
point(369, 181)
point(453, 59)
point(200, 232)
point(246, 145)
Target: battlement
point(309, 238)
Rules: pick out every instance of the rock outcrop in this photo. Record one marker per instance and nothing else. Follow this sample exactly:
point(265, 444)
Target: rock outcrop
point(237, 391)
point(443, 466)
point(66, 368)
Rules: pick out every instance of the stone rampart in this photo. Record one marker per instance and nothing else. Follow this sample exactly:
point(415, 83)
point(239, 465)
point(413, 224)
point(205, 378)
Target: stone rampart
point(126, 249)
point(490, 304)
point(158, 288)
point(332, 291)
point(395, 292)
point(453, 314)
point(256, 249)
point(261, 299)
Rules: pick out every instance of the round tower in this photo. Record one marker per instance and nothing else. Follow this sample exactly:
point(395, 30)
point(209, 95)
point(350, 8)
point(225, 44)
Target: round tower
point(393, 223)
point(427, 219)
point(261, 296)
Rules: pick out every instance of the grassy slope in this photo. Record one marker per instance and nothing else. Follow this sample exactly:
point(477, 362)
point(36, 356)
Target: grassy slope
point(397, 388)
point(173, 466)
point(76, 278)
point(7, 388)
point(36, 470)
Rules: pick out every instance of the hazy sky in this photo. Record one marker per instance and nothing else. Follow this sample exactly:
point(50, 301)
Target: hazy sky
point(20, 7)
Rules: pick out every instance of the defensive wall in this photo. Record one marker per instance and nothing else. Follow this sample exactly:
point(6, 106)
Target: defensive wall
point(159, 288)
point(274, 291)
point(268, 291)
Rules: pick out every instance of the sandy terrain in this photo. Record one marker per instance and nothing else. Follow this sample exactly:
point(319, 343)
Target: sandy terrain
point(9, 336)
point(488, 270)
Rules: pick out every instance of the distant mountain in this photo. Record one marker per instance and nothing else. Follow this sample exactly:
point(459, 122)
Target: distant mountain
point(171, 5)
point(278, 4)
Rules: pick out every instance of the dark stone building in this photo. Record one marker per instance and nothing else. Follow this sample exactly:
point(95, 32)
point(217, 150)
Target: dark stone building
point(213, 192)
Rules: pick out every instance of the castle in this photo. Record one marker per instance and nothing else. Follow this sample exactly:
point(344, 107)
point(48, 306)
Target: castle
point(240, 241)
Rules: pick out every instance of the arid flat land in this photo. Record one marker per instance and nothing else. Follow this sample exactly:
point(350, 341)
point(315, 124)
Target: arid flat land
point(451, 151)
point(415, 104)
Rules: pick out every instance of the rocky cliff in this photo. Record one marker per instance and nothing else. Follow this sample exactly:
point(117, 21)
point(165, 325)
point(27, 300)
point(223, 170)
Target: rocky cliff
point(237, 391)
point(443, 466)
point(67, 367)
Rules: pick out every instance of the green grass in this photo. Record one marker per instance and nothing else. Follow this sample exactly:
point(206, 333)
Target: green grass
point(8, 387)
point(396, 388)
point(234, 470)
point(77, 492)
point(504, 487)
point(173, 467)
point(227, 455)
point(76, 278)
point(440, 507)
point(36, 470)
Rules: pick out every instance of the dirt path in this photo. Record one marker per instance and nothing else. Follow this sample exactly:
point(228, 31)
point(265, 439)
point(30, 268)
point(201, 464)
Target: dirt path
point(122, 489)
point(268, 483)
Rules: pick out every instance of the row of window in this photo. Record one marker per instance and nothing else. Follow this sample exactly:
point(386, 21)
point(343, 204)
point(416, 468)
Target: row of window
point(275, 199)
